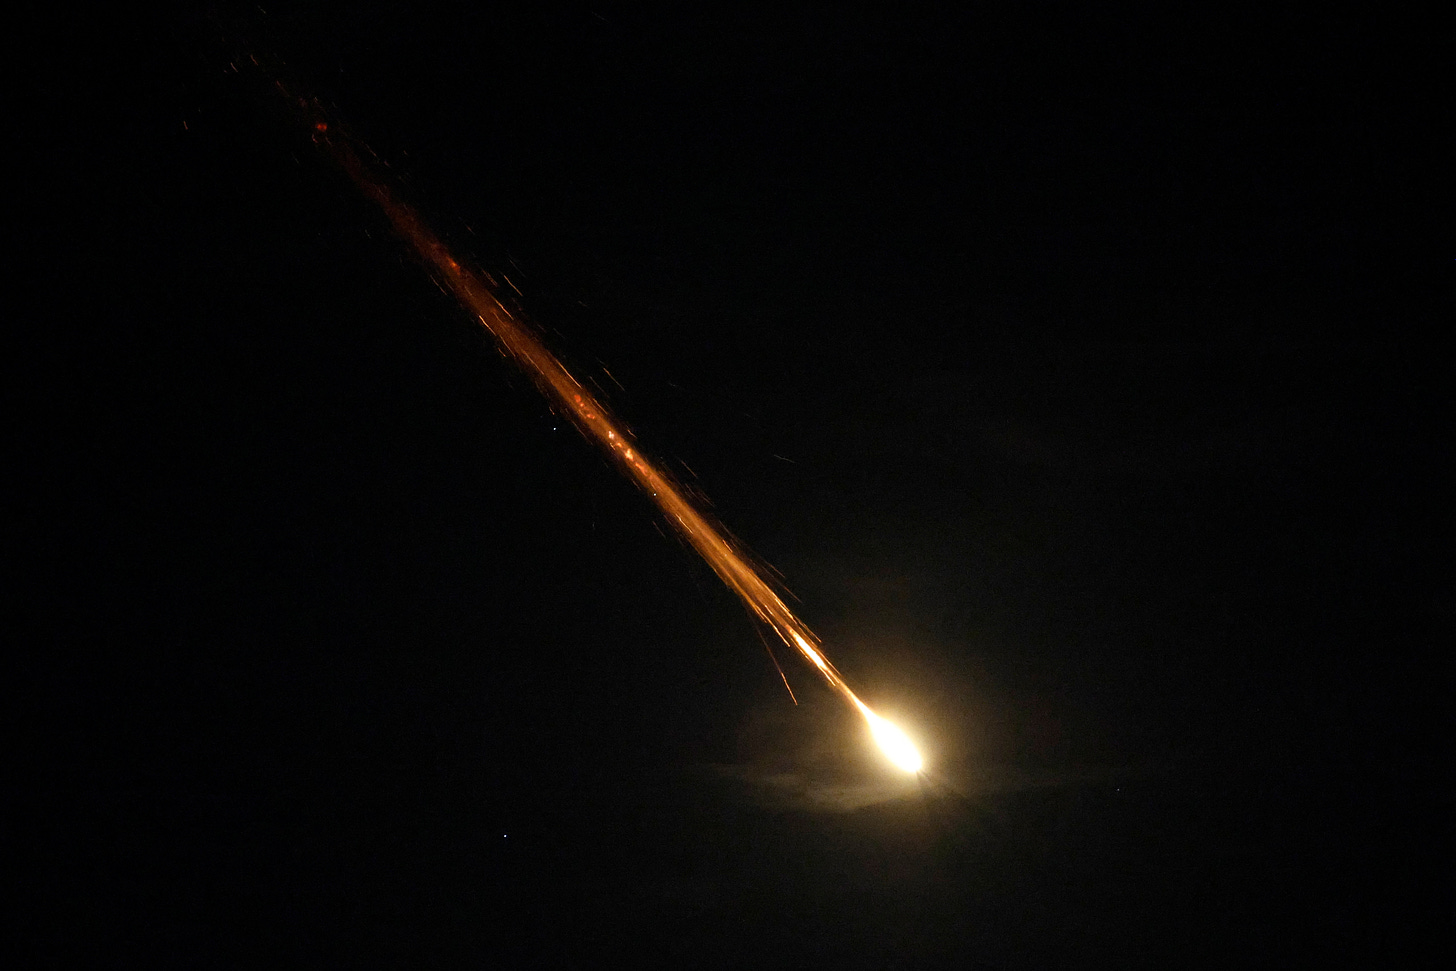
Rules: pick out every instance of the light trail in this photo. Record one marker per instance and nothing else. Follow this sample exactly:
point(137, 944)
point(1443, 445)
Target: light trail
point(477, 293)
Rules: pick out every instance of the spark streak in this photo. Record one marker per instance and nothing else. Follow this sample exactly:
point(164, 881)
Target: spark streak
point(477, 293)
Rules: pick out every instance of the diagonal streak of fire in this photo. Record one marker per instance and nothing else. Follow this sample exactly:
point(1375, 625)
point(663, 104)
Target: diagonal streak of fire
point(566, 394)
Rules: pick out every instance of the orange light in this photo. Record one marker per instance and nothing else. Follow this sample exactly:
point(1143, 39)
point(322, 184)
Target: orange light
point(733, 563)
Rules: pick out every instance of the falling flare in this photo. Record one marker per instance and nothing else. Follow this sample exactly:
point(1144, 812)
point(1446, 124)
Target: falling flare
point(477, 293)
point(893, 742)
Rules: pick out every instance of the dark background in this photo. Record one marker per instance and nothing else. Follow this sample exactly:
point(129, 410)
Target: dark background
point(1084, 376)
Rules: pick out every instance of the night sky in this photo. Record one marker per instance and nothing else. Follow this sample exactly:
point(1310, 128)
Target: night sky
point(1085, 378)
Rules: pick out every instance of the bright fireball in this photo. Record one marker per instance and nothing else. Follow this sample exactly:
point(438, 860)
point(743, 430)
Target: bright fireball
point(894, 742)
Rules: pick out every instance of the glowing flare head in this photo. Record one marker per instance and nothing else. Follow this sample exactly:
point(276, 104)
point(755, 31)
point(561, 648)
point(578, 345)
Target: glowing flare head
point(894, 743)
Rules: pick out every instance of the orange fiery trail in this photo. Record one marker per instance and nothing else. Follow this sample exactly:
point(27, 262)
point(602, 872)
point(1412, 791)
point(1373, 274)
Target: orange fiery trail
point(566, 393)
